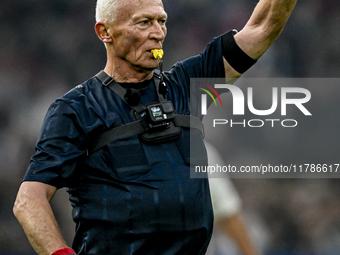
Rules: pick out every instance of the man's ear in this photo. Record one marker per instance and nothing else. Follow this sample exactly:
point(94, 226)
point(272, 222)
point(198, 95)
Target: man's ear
point(102, 33)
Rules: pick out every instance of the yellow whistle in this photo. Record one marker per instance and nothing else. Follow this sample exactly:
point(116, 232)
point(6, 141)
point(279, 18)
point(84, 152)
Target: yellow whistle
point(157, 54)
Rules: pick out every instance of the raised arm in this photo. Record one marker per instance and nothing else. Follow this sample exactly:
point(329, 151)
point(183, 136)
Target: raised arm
point(33, 211)
point(264, 26)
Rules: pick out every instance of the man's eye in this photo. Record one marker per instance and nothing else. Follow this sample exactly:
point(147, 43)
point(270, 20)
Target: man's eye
point(144, 22)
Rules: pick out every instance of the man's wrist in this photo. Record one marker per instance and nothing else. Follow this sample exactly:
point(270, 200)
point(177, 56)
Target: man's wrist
point(64, 251)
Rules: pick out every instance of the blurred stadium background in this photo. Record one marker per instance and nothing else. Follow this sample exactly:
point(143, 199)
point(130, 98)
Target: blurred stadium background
point(48, 47)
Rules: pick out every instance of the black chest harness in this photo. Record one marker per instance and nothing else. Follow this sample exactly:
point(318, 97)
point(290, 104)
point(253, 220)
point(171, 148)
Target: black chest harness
point(154, 123)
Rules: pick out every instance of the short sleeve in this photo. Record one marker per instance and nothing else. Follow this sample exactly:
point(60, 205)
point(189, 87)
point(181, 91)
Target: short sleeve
point(60, 145)
point(208, 64)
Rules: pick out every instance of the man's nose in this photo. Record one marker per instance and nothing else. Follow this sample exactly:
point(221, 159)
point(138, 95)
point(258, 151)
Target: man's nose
point(158, 31)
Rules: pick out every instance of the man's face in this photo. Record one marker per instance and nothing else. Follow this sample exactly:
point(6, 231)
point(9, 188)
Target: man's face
point(138, 28)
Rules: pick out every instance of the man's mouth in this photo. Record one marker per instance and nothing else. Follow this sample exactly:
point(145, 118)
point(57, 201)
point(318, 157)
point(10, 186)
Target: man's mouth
point(157, 53)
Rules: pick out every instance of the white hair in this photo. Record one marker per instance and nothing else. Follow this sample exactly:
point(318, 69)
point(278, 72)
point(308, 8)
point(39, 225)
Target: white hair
point(106, 10)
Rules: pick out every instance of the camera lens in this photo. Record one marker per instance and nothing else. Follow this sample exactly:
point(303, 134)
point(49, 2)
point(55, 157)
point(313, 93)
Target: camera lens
point(167, 107)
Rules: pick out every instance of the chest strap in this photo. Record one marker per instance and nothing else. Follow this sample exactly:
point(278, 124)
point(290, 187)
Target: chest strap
point(136, 127)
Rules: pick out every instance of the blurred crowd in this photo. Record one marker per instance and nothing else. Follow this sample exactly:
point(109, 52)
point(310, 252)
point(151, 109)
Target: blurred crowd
point(48, 47)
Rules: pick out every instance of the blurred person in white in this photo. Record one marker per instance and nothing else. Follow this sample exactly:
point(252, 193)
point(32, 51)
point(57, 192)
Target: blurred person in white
point(228, 216)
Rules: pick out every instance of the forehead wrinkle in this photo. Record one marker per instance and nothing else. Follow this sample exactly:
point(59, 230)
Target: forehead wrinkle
point(150, 16)
point(151, 12)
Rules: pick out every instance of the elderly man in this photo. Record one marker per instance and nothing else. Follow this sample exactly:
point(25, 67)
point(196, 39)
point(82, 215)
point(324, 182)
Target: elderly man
point(134, 195)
